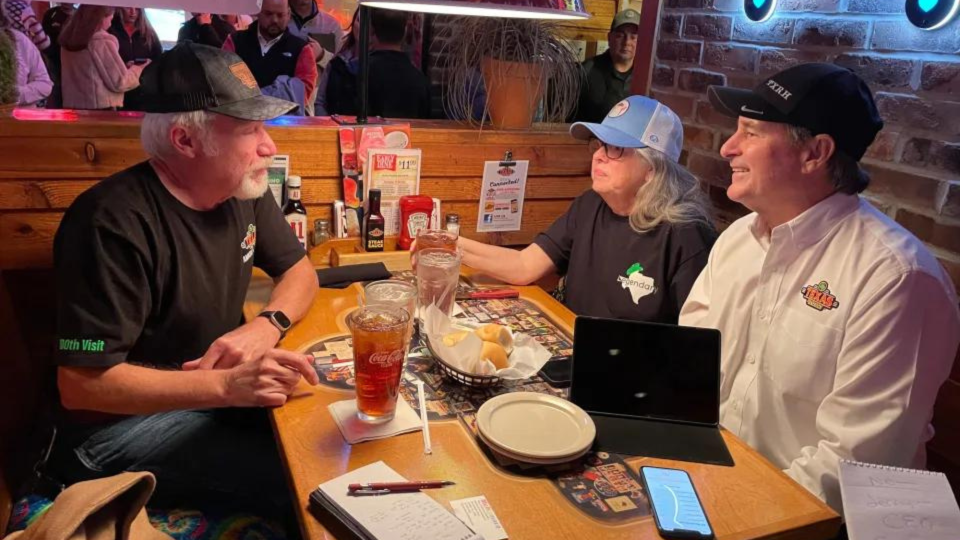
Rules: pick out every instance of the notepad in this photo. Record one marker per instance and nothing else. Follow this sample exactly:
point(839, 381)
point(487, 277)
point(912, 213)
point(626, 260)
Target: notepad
point(894, 503)
point(396, 516)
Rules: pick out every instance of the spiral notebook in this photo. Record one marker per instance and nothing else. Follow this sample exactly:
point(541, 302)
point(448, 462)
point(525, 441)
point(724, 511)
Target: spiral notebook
point(395, 516)
point(894, 503)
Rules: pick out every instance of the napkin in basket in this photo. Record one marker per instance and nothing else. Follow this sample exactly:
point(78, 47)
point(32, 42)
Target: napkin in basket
point(527, 358)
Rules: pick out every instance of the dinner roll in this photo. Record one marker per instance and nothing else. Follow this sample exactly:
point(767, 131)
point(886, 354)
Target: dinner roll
point(495, 354)
point(451, 339)
point(496, 333)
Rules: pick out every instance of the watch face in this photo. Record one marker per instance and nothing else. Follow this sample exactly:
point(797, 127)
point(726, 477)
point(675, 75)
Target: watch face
point(282, 319)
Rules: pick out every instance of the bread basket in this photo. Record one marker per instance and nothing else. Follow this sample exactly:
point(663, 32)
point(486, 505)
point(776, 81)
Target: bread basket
point(462, 377)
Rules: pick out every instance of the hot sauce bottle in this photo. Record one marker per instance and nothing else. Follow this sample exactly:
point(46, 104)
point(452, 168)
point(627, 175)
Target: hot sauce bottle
point(294, 212)
point(375, 224)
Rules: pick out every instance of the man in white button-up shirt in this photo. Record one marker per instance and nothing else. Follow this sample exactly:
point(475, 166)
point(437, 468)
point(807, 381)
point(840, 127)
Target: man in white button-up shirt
point(838, 325)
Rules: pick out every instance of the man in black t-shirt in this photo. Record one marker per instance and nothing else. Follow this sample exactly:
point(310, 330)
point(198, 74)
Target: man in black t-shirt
point(631, 247)
point(155, 366)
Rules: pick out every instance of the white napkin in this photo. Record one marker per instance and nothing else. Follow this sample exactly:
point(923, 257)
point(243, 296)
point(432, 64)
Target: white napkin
point(356, 431)
point(527, 358)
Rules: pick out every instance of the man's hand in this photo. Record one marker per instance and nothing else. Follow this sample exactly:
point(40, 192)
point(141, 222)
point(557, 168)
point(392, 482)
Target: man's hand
point(268, 380)
point(245, 344)
point(204, 18)
point(318, 50)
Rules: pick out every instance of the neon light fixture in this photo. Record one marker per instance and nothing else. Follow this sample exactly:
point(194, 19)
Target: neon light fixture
point(931, 14)
point(760, 10)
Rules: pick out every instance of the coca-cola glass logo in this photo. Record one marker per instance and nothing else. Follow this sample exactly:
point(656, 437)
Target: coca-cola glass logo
point(386, 358)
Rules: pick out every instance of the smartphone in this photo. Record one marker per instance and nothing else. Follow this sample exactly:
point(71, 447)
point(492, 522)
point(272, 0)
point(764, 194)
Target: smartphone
point(140, 61)
point(676, 506)
point(557, 372)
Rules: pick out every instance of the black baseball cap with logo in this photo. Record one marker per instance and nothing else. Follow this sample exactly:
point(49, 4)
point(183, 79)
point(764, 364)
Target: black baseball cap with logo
point(823, 98)
point(193, 77)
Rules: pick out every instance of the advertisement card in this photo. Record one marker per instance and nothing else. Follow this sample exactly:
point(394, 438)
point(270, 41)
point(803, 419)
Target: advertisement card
point(277, 176)
point(395, 172)
point(501, 196)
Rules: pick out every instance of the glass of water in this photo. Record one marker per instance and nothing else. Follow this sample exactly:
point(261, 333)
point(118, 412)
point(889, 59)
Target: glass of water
point(438, 272)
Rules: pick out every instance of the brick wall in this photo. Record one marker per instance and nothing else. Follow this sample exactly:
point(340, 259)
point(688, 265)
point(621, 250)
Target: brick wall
point(915, 76)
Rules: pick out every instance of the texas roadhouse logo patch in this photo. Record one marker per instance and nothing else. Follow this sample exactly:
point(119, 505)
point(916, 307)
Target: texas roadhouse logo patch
point(819, 296)
point(249, 242)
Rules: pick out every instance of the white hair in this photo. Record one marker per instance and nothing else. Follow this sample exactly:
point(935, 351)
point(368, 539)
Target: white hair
point(155, 132)
point(671, 195)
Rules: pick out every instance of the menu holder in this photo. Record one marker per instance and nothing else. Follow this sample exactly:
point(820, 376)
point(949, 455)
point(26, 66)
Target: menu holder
point(893, 502)
point(396, 516)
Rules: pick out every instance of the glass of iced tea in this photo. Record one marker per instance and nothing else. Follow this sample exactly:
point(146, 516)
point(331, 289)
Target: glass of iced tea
point(379, 343)
point(394, 293)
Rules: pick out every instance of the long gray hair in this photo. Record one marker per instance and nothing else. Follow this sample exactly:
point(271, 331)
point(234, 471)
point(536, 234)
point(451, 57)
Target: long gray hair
point(671, 195)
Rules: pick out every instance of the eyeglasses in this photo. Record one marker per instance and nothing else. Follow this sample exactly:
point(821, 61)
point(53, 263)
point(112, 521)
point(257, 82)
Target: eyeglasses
point(611, 151)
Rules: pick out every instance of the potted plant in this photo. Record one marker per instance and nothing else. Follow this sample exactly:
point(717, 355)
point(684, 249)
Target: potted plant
point(507, 68)
point(8, 72)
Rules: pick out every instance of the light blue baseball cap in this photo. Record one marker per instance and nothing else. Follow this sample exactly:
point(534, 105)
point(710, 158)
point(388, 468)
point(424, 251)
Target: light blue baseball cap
point(637, 122)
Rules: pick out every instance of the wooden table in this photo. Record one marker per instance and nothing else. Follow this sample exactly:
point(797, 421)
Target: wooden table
point(754, 499)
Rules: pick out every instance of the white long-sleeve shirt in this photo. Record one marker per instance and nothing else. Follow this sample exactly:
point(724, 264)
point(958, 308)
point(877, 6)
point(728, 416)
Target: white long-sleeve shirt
point(33, 82)
point(839, 327)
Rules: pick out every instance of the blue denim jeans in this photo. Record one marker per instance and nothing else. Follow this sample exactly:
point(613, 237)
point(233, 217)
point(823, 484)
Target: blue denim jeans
point(219, 458)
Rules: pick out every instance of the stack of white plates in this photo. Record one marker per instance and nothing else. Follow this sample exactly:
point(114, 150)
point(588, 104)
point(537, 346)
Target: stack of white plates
point(535, 428)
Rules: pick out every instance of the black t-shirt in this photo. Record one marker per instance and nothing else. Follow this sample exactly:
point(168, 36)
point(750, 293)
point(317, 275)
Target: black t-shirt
point(142, 278)
point(613, 271)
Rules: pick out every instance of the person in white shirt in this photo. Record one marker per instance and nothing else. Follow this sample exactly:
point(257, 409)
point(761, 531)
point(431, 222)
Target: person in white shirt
point(839, 326)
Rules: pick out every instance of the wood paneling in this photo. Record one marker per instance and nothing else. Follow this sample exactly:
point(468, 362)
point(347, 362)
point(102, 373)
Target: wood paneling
point(45, 165)
point(27, 239)
point(40, 193)
point(596, 27)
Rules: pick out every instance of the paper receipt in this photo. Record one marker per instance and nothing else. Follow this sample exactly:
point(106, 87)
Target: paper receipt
point(477, 514)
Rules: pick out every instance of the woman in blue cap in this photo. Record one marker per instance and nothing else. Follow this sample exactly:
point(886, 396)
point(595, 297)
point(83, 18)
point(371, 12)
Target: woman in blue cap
point(632, 246)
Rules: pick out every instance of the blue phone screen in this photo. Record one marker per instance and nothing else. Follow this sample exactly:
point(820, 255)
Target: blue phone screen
point(675, 501)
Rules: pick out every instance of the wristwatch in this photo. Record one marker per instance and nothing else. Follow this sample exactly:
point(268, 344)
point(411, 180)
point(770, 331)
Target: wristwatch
point(278, 319)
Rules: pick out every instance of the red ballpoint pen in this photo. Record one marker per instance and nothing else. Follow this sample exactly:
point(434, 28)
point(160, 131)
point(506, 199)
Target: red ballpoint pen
point(378, 488)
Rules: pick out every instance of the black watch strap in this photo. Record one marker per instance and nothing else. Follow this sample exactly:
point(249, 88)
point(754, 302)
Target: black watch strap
point(278, 319)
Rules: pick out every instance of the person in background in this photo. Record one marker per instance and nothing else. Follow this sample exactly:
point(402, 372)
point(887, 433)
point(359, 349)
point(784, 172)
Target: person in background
point(309, 22)
point(632, 246)
point(282, 63)
point(206, 29)
point(152, 267)
point(33, 83)
point(19, 15)
point(54, 20)
point(608, 75)
point(94, 75)
point(138, 42)
point(306, 20)
point(346, 62)
point(239, 22)
point(396, 88)
point(135, 35)
point(838, 326)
